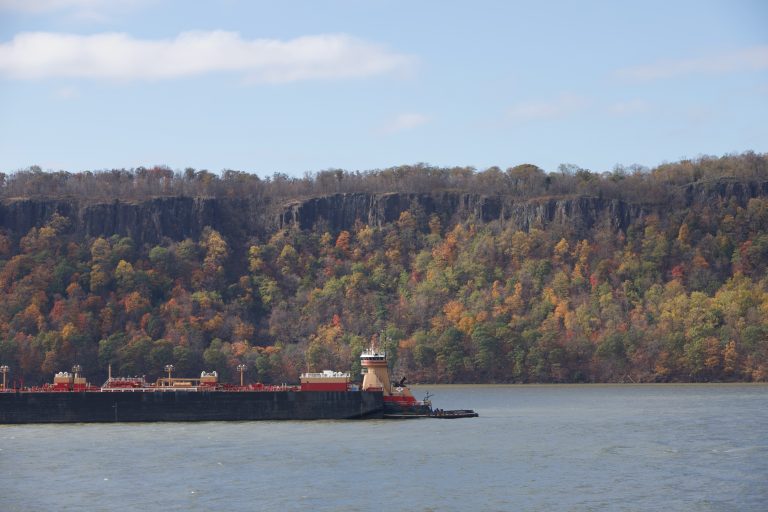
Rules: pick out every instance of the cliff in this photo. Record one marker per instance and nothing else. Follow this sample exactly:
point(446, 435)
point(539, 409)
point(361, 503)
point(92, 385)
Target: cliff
point(341, 211)
point(180, 217)
point(149, 221)
point(724, 189)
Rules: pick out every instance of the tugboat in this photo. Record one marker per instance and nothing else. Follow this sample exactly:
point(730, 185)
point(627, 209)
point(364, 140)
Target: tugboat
point(399, 402)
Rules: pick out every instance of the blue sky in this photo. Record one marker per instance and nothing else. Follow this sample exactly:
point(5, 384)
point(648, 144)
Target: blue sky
point(302, 86)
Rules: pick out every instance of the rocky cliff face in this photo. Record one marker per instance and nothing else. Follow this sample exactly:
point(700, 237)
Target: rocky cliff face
point(18, 216)
point(146, 222)
point(341, 211)
point(177, 218)
point(740, 191)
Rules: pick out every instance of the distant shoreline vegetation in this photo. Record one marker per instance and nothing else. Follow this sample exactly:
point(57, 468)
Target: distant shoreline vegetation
point(661, 278)
point(631, 183)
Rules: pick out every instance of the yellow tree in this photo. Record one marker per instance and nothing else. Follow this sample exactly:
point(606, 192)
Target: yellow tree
point(216, 253)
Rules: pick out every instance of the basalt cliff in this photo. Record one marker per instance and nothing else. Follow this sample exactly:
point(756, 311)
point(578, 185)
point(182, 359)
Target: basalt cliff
point(177, 218)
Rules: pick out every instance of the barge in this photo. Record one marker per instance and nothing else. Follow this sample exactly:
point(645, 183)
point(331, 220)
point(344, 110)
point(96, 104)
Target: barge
point(325, 395)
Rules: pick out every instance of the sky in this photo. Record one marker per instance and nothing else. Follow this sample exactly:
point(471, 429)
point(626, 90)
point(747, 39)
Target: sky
point(303, 86)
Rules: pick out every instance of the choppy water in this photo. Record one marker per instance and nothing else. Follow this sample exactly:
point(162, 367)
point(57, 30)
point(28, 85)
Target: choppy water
point(644, 447)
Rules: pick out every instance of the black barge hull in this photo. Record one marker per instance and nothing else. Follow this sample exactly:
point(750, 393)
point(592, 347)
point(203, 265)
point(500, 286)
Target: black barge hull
point(128, 406)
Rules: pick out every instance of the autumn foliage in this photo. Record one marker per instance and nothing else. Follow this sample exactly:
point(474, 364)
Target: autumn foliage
point(679, 295)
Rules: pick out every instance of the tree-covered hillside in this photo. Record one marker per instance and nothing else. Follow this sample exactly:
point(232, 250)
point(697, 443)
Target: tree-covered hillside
point(678, 294)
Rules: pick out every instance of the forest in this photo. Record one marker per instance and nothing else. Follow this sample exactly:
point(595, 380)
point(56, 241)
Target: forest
point(678, 295)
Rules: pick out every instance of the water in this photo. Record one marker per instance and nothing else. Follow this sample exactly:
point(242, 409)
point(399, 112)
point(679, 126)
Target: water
point(533, 448)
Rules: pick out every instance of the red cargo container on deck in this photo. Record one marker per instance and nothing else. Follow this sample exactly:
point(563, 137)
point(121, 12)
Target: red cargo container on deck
point(328, 380)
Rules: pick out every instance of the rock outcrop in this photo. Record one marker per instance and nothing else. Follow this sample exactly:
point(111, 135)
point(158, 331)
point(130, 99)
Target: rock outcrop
point(341, 211)
point(180, 217)
point(149, 221)
point(740, 191)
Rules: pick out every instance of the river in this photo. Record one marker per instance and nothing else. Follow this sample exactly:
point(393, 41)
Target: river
point(533, 448)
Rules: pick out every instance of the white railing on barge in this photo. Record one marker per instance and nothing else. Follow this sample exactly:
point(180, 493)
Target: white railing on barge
point(325, 374)
point(164, 389)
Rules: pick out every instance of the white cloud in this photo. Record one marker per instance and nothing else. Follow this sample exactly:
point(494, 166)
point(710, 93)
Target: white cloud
point(745, 59)
point(118, 56)
point(557, 108)
point(405, 122)
point(49, 6)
